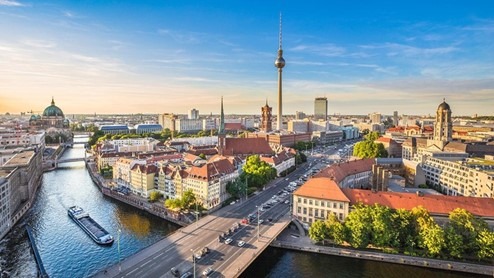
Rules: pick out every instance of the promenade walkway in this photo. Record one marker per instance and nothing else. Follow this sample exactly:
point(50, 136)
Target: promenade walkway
point(288, 240)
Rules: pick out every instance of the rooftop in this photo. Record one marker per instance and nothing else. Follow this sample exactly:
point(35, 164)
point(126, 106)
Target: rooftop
point(20, 158)
point(321, 188)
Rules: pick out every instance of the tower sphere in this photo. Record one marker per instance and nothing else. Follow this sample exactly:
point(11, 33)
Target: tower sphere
point(279, 63)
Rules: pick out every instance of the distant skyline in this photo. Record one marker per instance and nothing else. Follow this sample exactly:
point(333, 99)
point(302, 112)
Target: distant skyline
point(171, 56)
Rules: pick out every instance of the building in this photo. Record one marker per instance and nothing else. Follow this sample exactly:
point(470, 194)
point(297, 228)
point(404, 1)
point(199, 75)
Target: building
point(188, 125)
point(266, 119)
point(350, 174)
point(392, 146)
point(52, 117)
point(472, 177)
point(300, 115)
point(396, 118)
point(321, 108)
point(298, 126)
point(317, 198)
point(281, 161)
point(281, 139)
point(327, 137)
point(20, 178)
point(142, 179)
point(114, 129)
point(208, 182)
point(443, 128)
point(148, 128)
point(375, 118)
point(193, 114)
point(167, 121)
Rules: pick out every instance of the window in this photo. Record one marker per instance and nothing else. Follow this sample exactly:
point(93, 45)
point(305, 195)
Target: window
point(305, 210)
point(299, 209)
point(316, 203)
point(299, 200)
point(305, 201)
point(334, 205)
point(310, 201)
point(341, 206)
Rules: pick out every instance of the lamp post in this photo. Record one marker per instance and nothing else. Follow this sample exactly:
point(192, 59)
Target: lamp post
point(197, 216)
point(246, 187)
point(258, 223)
point(194, 260)
point(118, 247)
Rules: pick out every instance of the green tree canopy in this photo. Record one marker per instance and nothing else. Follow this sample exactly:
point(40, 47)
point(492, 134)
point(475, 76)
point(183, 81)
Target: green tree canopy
point(359, 225)
point(318, 231)
point(257, 172)
point(369, 148)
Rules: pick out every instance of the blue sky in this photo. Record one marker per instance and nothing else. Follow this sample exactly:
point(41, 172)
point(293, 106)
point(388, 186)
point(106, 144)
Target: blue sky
point(172, 56)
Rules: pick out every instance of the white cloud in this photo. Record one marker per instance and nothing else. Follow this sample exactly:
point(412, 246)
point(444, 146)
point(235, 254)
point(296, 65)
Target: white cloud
point(39, 43)
point(10, 3)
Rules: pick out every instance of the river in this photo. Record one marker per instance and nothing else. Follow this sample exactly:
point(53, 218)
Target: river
point(68, 252)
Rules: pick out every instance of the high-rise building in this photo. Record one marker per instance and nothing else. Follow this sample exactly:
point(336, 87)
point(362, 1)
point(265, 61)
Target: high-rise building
point(375, 118)
point(193, 114)
point(396, 118)
point(321, 108)
point(266, 125)
point(280, 63)
point(300, 115)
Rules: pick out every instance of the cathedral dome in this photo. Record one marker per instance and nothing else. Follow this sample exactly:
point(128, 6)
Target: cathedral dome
point(52, 110)
point(443, 106)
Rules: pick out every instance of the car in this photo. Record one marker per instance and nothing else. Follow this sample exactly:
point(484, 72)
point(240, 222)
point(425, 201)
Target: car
point(261, 220)
point(232, 203)
point(174, 272)
point(270, 219)
point(207, 271)
point(228, 241)
point(186, 275)
point(198, 256)
point(205, 250)
point(287, 202)
point(241, 243)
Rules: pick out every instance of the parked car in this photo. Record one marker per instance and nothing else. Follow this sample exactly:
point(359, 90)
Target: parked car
point(228, 241)
point(241, 243)
point(174, 272)
point(186, 275)
point(207, 271)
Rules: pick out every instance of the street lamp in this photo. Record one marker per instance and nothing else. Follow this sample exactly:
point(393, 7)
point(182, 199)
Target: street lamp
point(246, 187)
point(197, 216)
point(194, 260)
point(118, 247)
point(257, 222)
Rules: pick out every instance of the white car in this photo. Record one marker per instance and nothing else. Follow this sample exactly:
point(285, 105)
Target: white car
point(228, 241)
point(241, 243)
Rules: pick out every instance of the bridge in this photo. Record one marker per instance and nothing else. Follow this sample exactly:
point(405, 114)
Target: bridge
point(226, 260)
point(66, 160)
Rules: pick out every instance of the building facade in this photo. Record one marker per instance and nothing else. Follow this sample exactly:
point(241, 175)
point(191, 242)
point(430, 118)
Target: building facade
point(266, 118)
point(321, 108)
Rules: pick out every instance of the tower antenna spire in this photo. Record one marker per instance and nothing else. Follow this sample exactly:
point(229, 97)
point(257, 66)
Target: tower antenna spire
point(280, 31)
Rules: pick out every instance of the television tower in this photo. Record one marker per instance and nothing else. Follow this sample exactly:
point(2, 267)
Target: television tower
point(280, 63)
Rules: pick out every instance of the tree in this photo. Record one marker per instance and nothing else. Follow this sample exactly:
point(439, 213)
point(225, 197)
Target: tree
point(404, 225)
point(203, 156)
point(383, 234)
point(369, 148)
point(485, 244)
point(336, 230)
point(433, 239)
point(154, 196)
point(358, 223)
point(258, 172)
point(188, 199)
point(468, 227)
point(318, 231)
point(174, 204)
point(454, 243)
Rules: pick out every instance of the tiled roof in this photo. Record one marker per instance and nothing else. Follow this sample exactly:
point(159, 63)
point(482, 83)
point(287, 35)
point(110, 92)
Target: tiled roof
point(247, 146)
point(340, 171)
point(148, 169)
point(321, 188)
point(384, 139)
point(212, 170)
point(435, 204)
point(276, 159)
point(455, 147)
point(233, 126)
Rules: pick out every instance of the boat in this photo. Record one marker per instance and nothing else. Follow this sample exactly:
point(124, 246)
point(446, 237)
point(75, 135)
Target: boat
point(91, 227)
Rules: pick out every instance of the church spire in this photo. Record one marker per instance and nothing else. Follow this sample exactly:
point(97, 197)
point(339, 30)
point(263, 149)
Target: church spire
point(52, 101)
point(222, 119)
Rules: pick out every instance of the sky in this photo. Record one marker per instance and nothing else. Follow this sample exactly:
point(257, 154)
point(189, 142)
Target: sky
point(120, 56)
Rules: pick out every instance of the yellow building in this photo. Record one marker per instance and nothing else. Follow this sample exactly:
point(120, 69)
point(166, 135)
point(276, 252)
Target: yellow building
point(142, 179)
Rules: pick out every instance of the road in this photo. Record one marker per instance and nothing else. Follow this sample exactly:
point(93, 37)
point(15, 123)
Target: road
point(226, 260)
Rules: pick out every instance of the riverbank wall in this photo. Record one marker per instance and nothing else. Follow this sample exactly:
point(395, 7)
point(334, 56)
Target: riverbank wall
point(384, 257)
point(135, 201)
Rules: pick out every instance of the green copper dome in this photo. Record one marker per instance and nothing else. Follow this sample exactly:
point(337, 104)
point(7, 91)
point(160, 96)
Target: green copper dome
point(52, 110)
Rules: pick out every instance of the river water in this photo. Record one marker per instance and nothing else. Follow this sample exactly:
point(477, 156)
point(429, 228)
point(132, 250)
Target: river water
point(67, 251)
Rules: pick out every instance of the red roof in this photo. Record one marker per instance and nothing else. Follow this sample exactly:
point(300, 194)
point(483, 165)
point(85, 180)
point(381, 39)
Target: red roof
point(233, 126)
point(435, 204)
point(247, 146)
point(384, 139)
point(212, 170)
point(321, 188)
point(339, 172)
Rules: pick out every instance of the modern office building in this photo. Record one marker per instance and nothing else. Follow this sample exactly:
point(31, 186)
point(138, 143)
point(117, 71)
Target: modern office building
point(375, 118)
point(321, 108)
point(193, 114)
